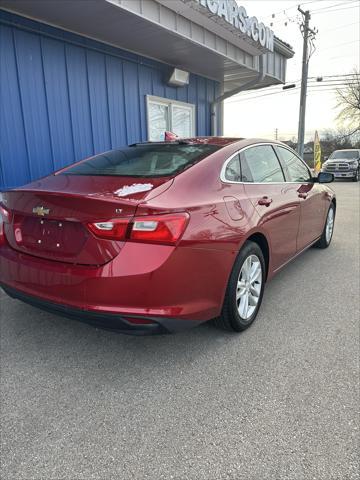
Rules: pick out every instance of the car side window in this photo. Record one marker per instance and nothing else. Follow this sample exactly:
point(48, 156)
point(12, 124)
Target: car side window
point(259, 164)
point(232, 171)
point(296, 170)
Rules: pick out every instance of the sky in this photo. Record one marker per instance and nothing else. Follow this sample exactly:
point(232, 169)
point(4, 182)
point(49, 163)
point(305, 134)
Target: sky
point(337, 53)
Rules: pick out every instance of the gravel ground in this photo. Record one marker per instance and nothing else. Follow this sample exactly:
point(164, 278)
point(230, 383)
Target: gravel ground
point(279, 401)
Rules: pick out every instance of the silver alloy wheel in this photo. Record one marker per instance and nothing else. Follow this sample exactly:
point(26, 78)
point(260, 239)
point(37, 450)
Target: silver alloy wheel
point(329, 225)
point(249, 286)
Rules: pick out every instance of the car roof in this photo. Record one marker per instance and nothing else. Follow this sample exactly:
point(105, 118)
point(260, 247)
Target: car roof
point(221, 141)
point(224, 141)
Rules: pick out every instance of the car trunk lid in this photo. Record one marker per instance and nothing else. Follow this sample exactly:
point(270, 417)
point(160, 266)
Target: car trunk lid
point(49, 217)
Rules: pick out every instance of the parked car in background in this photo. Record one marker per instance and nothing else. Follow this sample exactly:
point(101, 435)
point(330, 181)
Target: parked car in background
point(344, 164)
point(158, 237)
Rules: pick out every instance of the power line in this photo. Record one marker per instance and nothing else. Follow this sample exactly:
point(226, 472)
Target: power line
point(294, 90)
point(333, 84)
point(313, 88)
point(338, 75)
point(310, 83)
point(312, 1)
point(339, 27)
point(328, 7)
point(341, 79)
point(337, 10)
point(289, 92)
point(293, 7)
point(295, 18)
point(326, 78)
point(341, 56)
point(339, 45)
point(310, 92)
point(279, 89)
point(325, 89)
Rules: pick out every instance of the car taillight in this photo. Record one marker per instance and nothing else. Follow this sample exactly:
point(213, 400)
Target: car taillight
point(111, 230)
point(161, 229)
point(5, 214)
point(2, 233)
point(5, 217)
point(165, 229)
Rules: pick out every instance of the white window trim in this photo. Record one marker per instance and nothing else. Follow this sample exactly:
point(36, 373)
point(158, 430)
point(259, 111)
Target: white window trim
point(225, 164)
point(170, 104)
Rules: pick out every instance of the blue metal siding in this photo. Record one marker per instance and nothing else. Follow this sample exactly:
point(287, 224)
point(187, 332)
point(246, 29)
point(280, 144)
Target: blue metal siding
point(96, 74)
point(132, 107)
point(116, 95)
point(34, 105)
point(13, 147)
point(56, 85)
point(79, 101)
point(64, 97)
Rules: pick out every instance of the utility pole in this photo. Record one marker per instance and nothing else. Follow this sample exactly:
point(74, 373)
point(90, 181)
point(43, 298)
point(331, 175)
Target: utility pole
point(276, 134)
point(308, 35)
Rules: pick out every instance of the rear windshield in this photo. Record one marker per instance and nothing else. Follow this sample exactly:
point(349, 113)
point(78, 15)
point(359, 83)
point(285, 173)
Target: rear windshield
point(143, 161)
point(343, 154)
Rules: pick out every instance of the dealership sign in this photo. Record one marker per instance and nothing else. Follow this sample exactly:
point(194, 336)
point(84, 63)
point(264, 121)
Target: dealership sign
point(236, 16)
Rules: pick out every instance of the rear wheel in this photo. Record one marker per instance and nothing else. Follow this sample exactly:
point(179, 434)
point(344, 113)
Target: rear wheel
point(245, 289)
point(328, 231)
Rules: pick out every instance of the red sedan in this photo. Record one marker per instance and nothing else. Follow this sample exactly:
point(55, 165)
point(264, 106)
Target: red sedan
point(158, 237)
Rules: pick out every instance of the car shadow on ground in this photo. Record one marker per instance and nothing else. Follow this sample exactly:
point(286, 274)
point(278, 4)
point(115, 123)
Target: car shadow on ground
point(36, 329)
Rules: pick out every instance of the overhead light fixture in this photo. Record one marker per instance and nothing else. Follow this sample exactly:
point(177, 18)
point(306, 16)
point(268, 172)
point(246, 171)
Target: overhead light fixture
point(179, 78)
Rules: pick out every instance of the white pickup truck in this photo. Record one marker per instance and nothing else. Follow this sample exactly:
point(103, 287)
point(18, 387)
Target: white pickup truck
point(344, 164)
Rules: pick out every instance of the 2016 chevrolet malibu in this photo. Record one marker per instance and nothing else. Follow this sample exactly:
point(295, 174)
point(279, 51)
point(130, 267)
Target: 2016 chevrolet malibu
point(158, 237)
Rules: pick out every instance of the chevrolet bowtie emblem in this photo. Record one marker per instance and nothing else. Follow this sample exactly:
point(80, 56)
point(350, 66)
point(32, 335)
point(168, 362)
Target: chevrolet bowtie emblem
point(41, 211)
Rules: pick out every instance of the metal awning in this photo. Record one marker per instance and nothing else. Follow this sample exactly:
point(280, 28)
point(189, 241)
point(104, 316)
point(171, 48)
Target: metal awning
point(179, 33)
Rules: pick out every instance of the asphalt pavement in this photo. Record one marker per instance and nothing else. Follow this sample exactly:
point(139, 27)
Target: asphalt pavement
point(279, 401)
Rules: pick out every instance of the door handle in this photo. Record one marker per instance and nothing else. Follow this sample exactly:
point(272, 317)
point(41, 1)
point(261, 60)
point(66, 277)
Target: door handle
point(303, 195)
point(265, 201)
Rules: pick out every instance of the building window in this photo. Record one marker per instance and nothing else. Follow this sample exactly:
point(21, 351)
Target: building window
point(169, 115)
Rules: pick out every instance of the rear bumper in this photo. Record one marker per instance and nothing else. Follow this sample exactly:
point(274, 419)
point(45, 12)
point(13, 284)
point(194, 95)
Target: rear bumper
point(104, 320)
point(176, 288)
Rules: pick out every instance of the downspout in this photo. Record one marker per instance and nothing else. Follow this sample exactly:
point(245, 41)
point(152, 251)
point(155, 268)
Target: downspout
point(260, 77)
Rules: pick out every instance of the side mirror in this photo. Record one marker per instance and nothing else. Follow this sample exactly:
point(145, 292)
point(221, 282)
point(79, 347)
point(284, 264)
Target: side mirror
point(325, 158)
point(325, 177)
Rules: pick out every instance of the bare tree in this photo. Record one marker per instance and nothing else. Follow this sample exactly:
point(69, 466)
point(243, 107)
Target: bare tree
point(349, 101)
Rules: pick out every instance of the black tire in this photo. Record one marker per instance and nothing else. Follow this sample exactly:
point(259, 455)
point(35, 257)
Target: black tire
point(230, 318)
point(323, 242)
point(356, 178)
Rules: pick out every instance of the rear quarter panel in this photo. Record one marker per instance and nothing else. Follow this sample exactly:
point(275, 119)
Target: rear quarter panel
point(218, 219)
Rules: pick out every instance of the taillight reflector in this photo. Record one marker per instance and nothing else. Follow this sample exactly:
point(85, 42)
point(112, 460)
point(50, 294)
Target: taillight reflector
point(161, 229)
point(139, 321)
